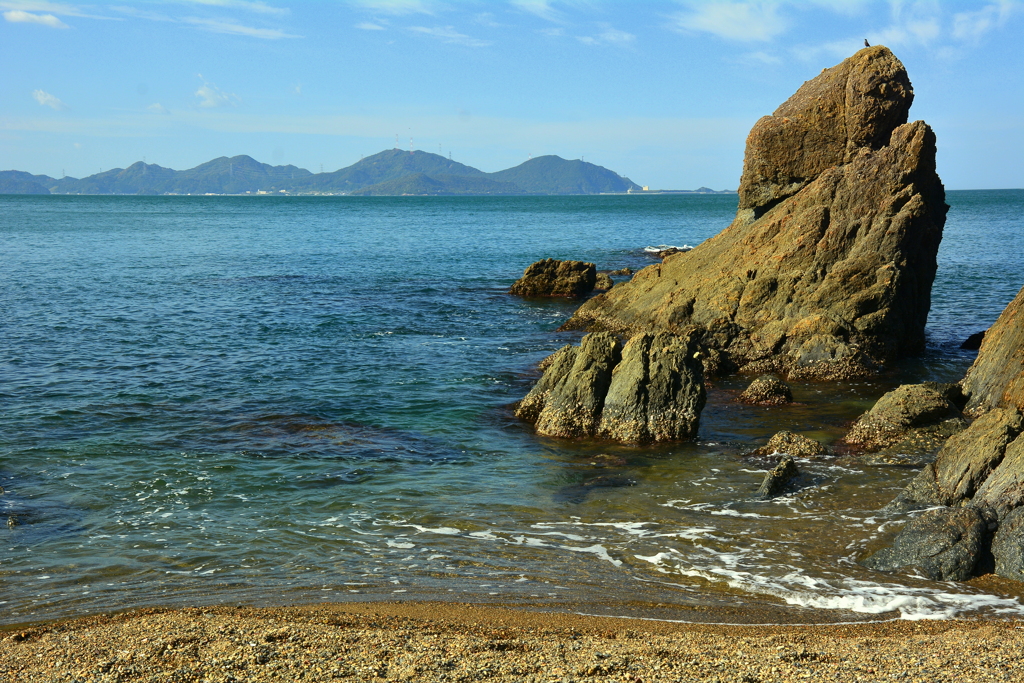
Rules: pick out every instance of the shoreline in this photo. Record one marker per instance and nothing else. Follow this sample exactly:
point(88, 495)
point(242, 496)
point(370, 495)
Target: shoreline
point(432, 641)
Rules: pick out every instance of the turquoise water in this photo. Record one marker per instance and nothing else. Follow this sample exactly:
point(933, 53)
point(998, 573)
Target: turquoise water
point(217, 399)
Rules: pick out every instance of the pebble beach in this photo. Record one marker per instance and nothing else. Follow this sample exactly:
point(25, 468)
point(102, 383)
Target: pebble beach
point(461, 642)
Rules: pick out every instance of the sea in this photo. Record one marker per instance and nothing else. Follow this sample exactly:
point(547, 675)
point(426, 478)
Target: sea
point(285, 400)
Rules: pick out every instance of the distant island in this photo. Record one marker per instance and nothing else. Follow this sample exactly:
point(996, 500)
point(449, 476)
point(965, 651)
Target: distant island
point(392, 172)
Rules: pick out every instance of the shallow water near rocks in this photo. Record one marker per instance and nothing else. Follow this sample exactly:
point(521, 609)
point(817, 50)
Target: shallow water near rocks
point(276, 400)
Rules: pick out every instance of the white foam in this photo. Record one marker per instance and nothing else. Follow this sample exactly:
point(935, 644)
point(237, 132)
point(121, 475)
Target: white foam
point(597, 549)
point(398, 544)
point(443, 530)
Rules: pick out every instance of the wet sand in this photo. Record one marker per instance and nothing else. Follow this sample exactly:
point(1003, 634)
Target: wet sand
point(423, 641)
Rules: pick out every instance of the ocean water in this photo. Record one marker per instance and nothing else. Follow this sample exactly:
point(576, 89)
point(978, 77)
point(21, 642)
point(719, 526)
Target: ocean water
point(210, 400)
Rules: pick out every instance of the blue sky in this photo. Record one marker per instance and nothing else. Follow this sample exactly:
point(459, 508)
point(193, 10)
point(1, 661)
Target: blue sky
point(661, 92)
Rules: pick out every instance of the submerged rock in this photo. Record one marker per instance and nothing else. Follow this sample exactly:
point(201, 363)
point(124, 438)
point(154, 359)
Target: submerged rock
point(912, 417)
point(767, 390)
point(792, 444)
point(554, 278)
point(776, 480)
point(973, 343)
point(827, 269)
point(945, 544)
point(650, 390)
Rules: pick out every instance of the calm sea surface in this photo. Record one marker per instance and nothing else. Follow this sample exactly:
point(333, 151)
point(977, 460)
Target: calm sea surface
point(274, 400)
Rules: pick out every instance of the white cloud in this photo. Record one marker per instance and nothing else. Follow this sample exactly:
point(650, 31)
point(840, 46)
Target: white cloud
point(158, 108)
point(17, 16)
point(760, 57)
point(232, 28)
point(396, 6)
point(258, 7)
point(971, 26)
point(610, 36)
point(448, 34)
point(370, 26)
point(140, 14)
point(540, 8)
point(740, 21)
point(56, 8)
point(212, 96)
point(48, 100)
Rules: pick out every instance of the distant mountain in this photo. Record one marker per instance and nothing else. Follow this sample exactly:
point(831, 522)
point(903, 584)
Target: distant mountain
point(440, 184)
point(391, 172)
point(555, 175)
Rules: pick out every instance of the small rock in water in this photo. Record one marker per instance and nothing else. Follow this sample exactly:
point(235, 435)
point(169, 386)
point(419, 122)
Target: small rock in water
point(791, 444)
point(603, 282)
point(622, 271)
point(767, 390)
point(973, 343)
point(554, 278)
point(777, 479)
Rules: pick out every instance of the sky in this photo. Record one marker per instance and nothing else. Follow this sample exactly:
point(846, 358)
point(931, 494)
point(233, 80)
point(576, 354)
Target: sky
point(663, 93)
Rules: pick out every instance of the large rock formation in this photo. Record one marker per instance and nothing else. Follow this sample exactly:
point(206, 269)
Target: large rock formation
point(650, 390)
point(827, 269)
point(997, 377)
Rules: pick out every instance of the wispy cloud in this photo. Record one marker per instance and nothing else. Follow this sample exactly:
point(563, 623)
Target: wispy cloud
point(540, 8)
point(17, 16)
point(258, 7)
point(739, 21)
point(370, 26)
point(396, 6)
point(47, 100)
point(448, 34)
point(55, 8)
point(971, 26)
point(140, 13)
point(212, 96)
point(609, 36)
point(233, 28)
point(157, 108)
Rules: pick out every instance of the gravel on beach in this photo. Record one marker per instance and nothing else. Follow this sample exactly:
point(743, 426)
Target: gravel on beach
point(459, 642)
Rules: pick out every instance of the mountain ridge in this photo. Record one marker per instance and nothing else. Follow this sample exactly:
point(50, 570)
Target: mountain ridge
point(387, 173)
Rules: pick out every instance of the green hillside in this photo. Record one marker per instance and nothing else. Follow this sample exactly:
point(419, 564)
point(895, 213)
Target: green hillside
point(442, 184)
point(391, 172)
point(555, 175)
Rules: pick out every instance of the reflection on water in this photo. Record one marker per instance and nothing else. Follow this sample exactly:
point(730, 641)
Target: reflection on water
point(223, 400)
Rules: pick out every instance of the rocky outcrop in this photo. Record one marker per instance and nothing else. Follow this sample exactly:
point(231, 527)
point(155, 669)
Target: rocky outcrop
point(650, 390)
point(913, 417)
point(1008, 546)
point(944, 544)
point(767, 390)
point(996, 379)
point(827, 269)
point(791, 444)
point(776, 480)
point(554, 278)
point(604, 282)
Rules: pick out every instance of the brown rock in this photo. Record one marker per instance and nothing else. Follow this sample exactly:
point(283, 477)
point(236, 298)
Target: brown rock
point(651, 390)
point(827, 268)
point(657, 392)
point(776, 480)
point(996, 379)
point(910, 417)
point(767, 390)
point(554, 278)
point(603, 282)
point(792, 444)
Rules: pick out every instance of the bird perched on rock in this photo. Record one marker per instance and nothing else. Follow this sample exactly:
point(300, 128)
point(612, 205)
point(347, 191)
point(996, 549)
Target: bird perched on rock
point(866, 43)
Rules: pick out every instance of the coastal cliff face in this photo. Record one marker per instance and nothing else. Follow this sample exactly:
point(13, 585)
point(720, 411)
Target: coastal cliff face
point(982, 467)
point(826, 271)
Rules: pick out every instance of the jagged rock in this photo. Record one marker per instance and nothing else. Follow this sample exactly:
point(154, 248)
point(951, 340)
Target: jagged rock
point(964, 462)
point(622, 271)
point(973, 343)
point(570, 395)
point(1008, 546)
point(657, 392)
point(827, 269)
point(792, 444)
point(912, 417)
point(996, 379)
point(554, 278)
point(775, 480)
point(945, 544)
point(651, 390)
point(1003, 489)
point(767, 390)
point(603, 282)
